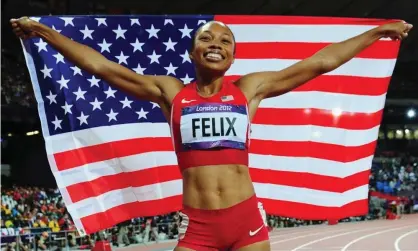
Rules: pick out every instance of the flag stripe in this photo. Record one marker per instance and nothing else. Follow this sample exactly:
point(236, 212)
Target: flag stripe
point(317, 117)
point(114, 198)
point(104, 184)
point(151, 160)
point(296, 33)
point(335, 139)
point(377, 68)
point(286, 50)
point(312, 149)
point(242, 20)
point(340, 84)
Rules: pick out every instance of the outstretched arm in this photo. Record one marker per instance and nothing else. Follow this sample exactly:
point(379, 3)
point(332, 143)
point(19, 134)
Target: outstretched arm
point(260, 85)
point(151, 88)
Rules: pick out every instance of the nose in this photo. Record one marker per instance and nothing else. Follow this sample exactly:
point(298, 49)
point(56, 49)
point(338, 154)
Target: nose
point(215, 46)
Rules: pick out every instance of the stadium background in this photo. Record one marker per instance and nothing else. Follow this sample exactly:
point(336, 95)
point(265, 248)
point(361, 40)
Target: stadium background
point(23, 158)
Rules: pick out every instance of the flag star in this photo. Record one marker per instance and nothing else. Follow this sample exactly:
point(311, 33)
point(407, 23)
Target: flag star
point(170, 45)
point(154, 105)
point(101, 21)
point(94, 81)
point(104, 46)
point(76, 70)
point(96, 104)
point(67, 108)
point(126, 102)
point(36, 19)
point(168, 21)
point(122, 58)
point(201, 22)
point(137, 45)
point(57, 123)
point(110, 93)
point(135, 21)
point(59, 57)
point(87, 33)
point(46, 71)
point(80, 94)
point(83, 118)
point(51, 98)
point(186, 79)
point(63, 82)
point(55, 29)
point(185, 32)
point(120, 32)
point(112, 115)
point(139, 69)
point(142, 114)
point(152, 32)
point(41, 45)
point(154, 57)
point(68, 21)
point(186, 57)
point(171, 69)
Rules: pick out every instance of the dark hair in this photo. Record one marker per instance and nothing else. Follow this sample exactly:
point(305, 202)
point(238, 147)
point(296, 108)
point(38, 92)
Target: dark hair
point(198, 29)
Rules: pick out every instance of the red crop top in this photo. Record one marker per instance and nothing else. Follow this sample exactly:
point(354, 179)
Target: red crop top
point(210, 131)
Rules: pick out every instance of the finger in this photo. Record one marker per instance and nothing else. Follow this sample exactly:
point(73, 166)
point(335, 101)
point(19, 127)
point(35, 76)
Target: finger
point(17, 30)
point(14, 24)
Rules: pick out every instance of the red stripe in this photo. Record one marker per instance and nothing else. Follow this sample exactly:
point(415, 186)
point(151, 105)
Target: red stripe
point(294, 50)
point(309, 180)
point(122, 180)
point(312, 149)
point(318, 117)
point(161, 174)
point(113, 216)
point(116, 149)
point(341, 84)
point(227, 19)
point(313, 212)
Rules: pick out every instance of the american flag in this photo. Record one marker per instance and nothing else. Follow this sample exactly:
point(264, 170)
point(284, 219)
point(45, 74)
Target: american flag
point(112, 156)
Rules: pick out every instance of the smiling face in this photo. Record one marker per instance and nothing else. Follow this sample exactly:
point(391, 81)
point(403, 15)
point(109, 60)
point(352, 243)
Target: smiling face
point(213, 47)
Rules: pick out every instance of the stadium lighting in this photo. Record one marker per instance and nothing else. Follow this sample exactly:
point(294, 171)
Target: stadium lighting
point(10, 135)
point(411, 113)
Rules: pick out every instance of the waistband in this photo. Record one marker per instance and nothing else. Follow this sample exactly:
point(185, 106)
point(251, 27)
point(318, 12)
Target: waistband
point(242, 207)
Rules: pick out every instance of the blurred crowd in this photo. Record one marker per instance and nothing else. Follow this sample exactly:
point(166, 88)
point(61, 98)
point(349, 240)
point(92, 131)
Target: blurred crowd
point(40, 218)
point(16, 87)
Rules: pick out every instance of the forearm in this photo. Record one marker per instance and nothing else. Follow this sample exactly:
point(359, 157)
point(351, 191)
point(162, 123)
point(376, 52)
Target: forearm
point(81, 55)
point(335, 55)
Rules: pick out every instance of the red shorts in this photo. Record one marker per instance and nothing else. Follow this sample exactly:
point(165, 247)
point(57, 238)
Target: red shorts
point(225, 229)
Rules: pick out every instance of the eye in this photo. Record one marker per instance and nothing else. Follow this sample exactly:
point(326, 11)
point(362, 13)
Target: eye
point(204, 38)
point(226, 41)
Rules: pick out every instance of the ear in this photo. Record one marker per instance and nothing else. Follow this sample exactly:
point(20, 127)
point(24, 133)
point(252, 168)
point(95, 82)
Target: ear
point(191, 56)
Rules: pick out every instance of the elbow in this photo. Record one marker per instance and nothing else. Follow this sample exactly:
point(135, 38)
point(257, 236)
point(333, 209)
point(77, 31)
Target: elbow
point(326, 62)
point(97, 69)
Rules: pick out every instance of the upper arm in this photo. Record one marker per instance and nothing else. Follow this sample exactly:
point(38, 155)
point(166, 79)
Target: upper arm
point(261, 85)
point(147, 87)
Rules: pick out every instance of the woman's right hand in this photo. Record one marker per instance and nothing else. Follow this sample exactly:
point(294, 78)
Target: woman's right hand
point(23, 27)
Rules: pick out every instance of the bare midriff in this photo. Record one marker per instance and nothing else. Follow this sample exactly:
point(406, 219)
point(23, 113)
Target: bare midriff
point(216, 187)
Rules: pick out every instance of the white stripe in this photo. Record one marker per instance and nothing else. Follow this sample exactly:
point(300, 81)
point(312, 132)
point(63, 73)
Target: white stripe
point(99, 135)
point(115, 198)
point(310, 165)
point(326, 33)
point(310, 196)
point(154, 159)
point(99, 169)
point(361, 67)
point(398, 240)
point(321, 134)
point(162, 190)
point(328, 101)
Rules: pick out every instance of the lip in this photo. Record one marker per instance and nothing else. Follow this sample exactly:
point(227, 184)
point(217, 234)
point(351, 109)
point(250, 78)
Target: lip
point(214, 52)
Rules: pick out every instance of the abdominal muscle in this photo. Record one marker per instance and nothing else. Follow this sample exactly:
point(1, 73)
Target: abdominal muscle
point(216, 187)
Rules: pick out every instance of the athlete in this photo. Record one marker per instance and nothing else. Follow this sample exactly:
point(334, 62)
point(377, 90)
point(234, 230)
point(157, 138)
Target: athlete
point(210, 121)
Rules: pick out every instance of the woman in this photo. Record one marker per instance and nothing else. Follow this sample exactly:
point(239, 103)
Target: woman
point(210, 120)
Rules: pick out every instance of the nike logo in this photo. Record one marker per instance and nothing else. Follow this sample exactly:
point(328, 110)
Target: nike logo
point(256, 231)
point(184, 101)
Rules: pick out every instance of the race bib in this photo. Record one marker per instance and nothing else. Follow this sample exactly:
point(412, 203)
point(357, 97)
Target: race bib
point(214, 125)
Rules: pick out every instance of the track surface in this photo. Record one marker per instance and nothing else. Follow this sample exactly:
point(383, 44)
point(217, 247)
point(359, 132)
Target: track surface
point(378, 235)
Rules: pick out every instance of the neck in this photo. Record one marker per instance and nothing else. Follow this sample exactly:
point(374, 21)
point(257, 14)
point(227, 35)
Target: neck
point(209, 84)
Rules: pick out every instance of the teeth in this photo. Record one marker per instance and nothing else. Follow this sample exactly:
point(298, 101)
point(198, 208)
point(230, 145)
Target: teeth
point(214, 55)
